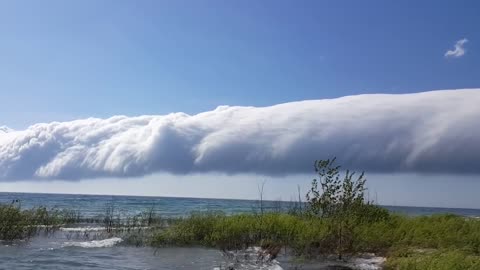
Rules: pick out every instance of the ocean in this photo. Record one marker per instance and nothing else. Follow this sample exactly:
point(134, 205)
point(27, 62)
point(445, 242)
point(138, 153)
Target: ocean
point(60, 251)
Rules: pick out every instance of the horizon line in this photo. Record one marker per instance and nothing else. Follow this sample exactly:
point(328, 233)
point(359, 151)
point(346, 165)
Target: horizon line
point(229, 199)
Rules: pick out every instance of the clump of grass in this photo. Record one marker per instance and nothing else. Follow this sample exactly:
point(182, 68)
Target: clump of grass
point(134, 229)
point(17, 223)
point(301, 233)
point(310, 236)
point(432, 232)
point(22, 224)
point(115, 221)
point(14, 224)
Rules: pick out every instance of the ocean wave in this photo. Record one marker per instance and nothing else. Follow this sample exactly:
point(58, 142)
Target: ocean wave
point(110, 242)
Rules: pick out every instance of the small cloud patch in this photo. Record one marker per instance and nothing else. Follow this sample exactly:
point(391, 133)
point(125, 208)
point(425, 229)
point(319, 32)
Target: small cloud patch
point(459, 49)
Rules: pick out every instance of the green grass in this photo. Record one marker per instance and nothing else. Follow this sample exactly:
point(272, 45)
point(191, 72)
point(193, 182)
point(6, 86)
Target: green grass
point(306, 235)
point(16, 223)
point(435, 232)
point(434, 260)
point(449, 239)
point(20, 224)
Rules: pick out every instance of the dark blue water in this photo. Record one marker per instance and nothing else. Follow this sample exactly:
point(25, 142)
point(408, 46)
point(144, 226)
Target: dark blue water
point(96, 205)
point(59, 251)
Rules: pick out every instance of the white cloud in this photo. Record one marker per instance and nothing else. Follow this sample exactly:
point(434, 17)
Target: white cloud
point(424, 132)
point(4, 129)
point(459, 49)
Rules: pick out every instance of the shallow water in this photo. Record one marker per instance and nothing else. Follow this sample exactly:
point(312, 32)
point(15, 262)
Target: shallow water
point(48, 254)
point(59, 252)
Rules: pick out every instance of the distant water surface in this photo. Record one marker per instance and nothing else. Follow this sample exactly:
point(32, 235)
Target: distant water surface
point(94, 205)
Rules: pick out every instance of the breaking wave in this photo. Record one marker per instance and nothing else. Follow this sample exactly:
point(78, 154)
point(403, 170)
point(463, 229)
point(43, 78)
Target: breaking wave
point(110, 242)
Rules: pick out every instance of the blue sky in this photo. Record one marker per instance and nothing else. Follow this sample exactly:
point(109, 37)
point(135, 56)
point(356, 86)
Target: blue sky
point(64, 60)
point(67, 60)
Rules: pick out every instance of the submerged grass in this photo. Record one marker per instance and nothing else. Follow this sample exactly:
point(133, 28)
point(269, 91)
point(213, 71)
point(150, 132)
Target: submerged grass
point(21, 224)
point(17, 223)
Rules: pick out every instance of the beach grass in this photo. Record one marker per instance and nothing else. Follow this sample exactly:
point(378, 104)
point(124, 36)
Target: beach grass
point(407, 242)
point(443, 259)
point(17, 223)
point(306, 234)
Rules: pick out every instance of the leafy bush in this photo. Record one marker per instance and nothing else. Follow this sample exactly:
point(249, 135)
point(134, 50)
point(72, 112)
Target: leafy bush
point(341, 200)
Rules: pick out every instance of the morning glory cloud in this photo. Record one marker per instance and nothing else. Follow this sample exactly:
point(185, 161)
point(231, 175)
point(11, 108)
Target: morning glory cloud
point(429, 132)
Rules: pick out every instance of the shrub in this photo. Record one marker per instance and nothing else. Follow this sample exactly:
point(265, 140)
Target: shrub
point(341, 200)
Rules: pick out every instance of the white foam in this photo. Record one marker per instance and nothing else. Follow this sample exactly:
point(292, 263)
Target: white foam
point(249, 259)
point(275, 267)
point(83, 229)
point(254, 267)
point(99, 229)
point(110, 242)
point(368, 263)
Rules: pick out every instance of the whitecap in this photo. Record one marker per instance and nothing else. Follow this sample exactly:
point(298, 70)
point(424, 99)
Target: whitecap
point(110, 242)
point(83, 229)
point(98, 229)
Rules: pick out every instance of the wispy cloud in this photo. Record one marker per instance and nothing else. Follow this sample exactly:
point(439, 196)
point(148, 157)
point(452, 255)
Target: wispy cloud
point(459, 49)
point(431, 132)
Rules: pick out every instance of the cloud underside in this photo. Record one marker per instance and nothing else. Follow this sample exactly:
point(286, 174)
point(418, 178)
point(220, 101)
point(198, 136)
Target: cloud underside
point(431, 132)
